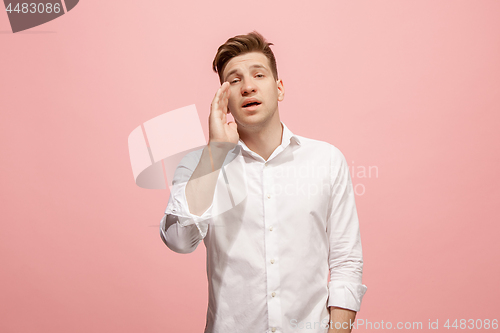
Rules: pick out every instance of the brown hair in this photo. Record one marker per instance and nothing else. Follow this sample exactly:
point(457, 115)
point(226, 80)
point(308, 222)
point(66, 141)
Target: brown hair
point(241, 44)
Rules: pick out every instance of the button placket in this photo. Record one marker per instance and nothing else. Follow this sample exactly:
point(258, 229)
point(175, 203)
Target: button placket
point(272, 250)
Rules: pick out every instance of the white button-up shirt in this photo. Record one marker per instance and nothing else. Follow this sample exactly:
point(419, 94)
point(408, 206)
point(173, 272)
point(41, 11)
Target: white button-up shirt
point(275, 232)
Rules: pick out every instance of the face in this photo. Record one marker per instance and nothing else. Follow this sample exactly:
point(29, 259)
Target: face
point(255, 93)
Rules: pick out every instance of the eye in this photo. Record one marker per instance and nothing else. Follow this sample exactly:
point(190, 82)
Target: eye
point(234, 81)
point(259, 75)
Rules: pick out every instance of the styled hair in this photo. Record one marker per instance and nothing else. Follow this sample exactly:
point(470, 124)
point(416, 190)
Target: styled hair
point(241, 44)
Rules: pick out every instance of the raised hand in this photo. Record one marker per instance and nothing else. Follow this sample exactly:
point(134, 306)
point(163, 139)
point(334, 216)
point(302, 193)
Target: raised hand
point(219, 129)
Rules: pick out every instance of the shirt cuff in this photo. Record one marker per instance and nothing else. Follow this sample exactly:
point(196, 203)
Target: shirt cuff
point(346, 295)
point(188, 235)
point(178, 206)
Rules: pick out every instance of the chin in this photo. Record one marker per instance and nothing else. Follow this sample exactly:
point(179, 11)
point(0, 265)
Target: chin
point(251, 120)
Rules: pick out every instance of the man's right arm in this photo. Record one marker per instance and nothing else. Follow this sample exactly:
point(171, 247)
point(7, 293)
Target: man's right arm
point(198, 193)
point(185, 222)
point(223, 137)
point(200, 188)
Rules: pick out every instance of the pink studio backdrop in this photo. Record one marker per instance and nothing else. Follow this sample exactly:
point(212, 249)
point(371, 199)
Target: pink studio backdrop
point(411, 88)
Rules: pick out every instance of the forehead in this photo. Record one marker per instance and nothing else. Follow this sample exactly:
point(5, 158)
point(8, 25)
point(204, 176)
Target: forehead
point(245, 61)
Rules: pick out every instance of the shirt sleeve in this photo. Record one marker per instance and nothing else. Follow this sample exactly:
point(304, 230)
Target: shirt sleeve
point(345, 256)
point(181, 230)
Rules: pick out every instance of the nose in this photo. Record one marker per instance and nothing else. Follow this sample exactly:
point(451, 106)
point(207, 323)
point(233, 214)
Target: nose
point(248, 87)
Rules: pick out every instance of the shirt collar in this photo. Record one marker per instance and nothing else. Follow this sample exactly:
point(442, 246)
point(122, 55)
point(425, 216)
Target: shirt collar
point(286, 138)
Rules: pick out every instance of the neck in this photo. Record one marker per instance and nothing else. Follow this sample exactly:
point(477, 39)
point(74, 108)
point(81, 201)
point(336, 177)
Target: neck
point(263, 140)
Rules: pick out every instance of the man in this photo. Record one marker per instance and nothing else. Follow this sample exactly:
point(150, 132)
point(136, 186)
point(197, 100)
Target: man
point(275, 210)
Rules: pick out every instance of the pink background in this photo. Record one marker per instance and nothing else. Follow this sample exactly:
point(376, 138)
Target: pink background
point(411, 87)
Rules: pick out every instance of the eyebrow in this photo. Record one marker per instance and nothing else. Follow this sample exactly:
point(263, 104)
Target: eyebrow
point(251, 67)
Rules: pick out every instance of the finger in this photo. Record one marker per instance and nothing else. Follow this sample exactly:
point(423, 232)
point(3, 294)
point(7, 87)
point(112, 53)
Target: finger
point(225, 96)
point(225, 90)
point(223, 101)
point(221, 89)
point(224, 105)
point(218, 94)
point(219, 103)
point(215, 106)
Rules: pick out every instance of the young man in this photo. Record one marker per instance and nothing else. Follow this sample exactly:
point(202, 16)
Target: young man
point(293, 223)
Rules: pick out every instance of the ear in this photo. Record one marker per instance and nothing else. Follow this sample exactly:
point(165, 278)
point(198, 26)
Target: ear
point(281, 90)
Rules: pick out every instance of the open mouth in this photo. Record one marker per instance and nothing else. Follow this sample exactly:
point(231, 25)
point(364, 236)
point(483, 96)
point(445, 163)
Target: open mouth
point(251, 104)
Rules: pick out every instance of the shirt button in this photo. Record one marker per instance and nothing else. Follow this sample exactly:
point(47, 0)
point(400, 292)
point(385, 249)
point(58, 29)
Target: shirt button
point(268, 196)
point(273, 294)
point(273, 329)
point(272, 261)
point(271, 228)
